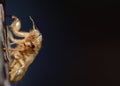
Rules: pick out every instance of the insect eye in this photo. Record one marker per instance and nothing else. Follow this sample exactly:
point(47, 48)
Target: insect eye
point(33, 46)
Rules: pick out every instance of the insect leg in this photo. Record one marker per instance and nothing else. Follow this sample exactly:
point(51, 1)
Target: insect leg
point(13, 63)
point(11, 49)
point(15, 27)
point(12, 74)
point(19, 57)
point(17, 41)
point(22, 63)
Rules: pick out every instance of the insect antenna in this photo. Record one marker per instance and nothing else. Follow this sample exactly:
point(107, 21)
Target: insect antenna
point(32, 22)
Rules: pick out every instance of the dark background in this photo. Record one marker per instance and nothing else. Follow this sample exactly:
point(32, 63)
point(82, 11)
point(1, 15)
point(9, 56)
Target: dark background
point(81, 41)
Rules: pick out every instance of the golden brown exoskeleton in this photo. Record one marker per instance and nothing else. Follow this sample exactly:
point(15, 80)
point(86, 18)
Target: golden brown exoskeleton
point(25, 51)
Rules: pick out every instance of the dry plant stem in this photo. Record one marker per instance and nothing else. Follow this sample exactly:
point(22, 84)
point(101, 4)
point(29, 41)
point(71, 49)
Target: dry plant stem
point(3, 43)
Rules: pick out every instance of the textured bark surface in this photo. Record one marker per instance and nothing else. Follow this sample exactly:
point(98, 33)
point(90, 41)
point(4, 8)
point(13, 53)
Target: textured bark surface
point(3, 43)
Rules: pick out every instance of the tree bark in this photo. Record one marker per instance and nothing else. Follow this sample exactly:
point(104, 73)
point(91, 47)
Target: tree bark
point(4, 80)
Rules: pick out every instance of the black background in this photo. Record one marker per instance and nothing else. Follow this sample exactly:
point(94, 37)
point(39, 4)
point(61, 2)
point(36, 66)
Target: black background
point(81, 41)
